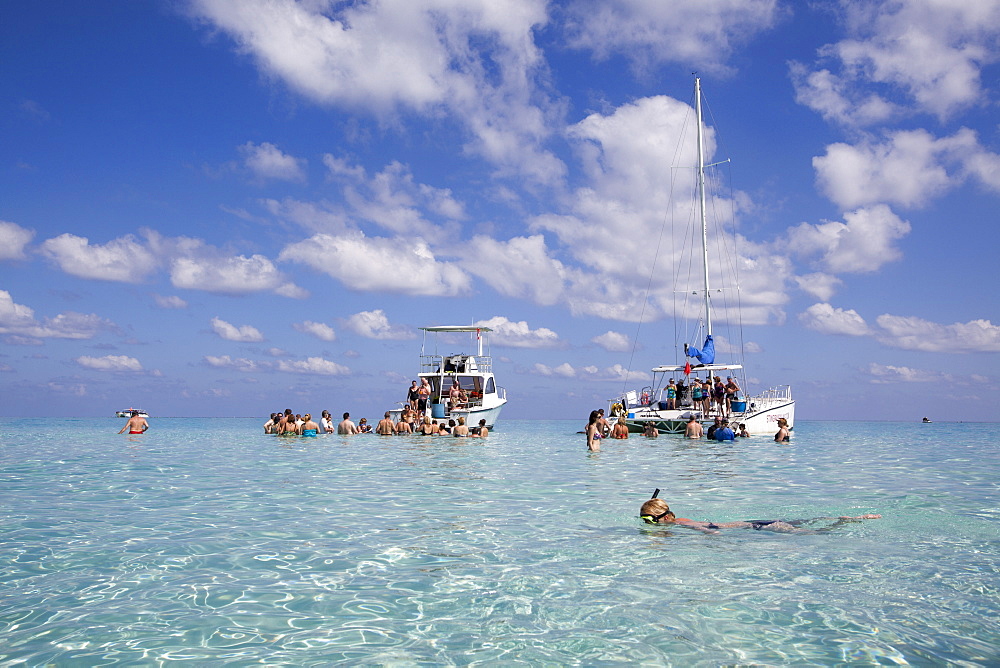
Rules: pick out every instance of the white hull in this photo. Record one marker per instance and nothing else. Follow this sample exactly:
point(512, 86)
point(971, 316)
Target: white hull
point(472, 415)
point(760, 417)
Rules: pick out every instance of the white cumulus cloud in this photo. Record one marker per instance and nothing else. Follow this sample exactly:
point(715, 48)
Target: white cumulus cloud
point(380, 264)
point(125, 260)
point(862, 243)
point(912, 333)
point(266, 161)
point(519, 334)
point(316, 366)
point(19, 320)
point(826, 319)
point(244, 334)
point(320, 330)
point(375, 325)
point(613, 342)
point(13, 239)
point(110, 363)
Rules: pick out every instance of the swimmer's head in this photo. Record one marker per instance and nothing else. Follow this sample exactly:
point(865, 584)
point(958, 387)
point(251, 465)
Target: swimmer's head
point(654, 510)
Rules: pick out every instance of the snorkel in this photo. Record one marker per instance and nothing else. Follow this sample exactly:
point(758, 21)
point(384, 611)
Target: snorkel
point(654, 519)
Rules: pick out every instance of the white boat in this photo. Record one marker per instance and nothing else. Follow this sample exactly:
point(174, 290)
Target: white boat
point(129, 412)
point(472, 372)
point(759, 412)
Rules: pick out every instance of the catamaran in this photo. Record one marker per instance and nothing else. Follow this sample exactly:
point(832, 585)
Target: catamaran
point(478, 397)
point(759, 413)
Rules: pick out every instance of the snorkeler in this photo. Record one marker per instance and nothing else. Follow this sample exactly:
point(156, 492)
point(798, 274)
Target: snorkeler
point(656, 511)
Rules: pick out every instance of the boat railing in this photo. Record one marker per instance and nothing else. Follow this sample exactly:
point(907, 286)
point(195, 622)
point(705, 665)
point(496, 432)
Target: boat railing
point(779, 393)
point(436, 363)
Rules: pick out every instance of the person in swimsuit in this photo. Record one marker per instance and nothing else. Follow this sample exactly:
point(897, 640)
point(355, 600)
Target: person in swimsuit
point(593, 432)
point(693, 428)
point(412, 395)
point(483, 431)
point(308, 427)
point(782, 436)
point(620, 430)
point(423, 394)
point(656, 511)
point(651, 431)
point(385, 426)
point(135, 425)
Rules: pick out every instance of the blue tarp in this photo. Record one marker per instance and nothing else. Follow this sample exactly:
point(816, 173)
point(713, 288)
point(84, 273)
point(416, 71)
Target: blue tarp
point(707, 353)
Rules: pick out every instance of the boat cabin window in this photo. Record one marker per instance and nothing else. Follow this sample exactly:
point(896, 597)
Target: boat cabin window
point(471, 384)
point(490, 386)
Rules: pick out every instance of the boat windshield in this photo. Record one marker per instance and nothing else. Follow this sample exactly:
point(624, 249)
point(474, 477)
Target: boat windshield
point(468, 383)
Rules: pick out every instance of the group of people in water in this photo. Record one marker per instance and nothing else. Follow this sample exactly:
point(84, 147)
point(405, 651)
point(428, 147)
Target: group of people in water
point(410, 422)
point(599, 427)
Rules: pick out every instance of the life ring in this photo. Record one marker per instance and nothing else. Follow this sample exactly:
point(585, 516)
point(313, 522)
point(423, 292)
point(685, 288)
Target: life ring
point(645, 398)
point(617, 410)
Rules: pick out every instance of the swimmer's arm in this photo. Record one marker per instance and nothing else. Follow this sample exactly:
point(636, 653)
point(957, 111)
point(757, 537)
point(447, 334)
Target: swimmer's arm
point(697, 526)
point(123, 429)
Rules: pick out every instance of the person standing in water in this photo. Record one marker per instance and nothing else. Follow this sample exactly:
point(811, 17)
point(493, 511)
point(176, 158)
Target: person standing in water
point(593, 433)
point(135, 425)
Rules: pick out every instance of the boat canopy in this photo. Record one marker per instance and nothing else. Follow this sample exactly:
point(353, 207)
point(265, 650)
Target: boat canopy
point(456, 328)
point(700, 367)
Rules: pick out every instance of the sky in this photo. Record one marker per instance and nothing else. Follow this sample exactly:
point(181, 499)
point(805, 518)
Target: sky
point(227, 208)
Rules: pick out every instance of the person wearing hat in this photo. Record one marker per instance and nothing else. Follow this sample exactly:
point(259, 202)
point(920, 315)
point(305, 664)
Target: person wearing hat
point(656, 511)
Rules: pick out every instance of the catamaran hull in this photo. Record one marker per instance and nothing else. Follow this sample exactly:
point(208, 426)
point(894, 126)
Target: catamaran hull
point(762, 419)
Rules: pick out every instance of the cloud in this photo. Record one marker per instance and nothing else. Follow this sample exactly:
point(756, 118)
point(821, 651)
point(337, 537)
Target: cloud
point(124, 260)
point(884, 374)
point(616, 372)
point(393, 201)
point(821, 286)
point(519, 335)
point(910, 168)
point(169, 302)
point(520, 267)
point(401, 266)
point(316, 366)
point(227, 362)
point(266, 161)
point(475, 61)
point(244, 334)
point(19, 320)
point(375, 325)
point(13, 239)
point(829, 320)
point(231, 275)
point(911, 333)
point(927, 55)
point(565, 370)
point(613, 342)
point(114, 363)
point(863, 243)
point(689, 32)
point(320, 330)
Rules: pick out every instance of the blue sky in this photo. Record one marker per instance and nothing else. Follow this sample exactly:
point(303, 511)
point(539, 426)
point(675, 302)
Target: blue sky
point(229, 208)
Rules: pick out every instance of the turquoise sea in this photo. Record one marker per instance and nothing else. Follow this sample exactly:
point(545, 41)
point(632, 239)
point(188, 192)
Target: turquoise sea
point(205, 542)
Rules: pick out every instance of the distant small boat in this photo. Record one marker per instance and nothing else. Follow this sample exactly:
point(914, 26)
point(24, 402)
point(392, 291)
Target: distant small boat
point(927, 420)
point(130, 412)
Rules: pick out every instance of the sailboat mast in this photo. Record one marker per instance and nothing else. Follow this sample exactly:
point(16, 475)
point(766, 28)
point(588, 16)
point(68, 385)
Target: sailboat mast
point(701, 197)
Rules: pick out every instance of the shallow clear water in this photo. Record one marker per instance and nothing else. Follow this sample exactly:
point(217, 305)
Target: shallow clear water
point(207, 541)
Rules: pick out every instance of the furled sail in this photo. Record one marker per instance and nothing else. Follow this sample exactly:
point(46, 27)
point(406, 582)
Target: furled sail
point(707, 353)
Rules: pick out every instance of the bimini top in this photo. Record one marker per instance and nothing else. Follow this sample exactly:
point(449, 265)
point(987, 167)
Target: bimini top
point(700, 367)
point(456, 328)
